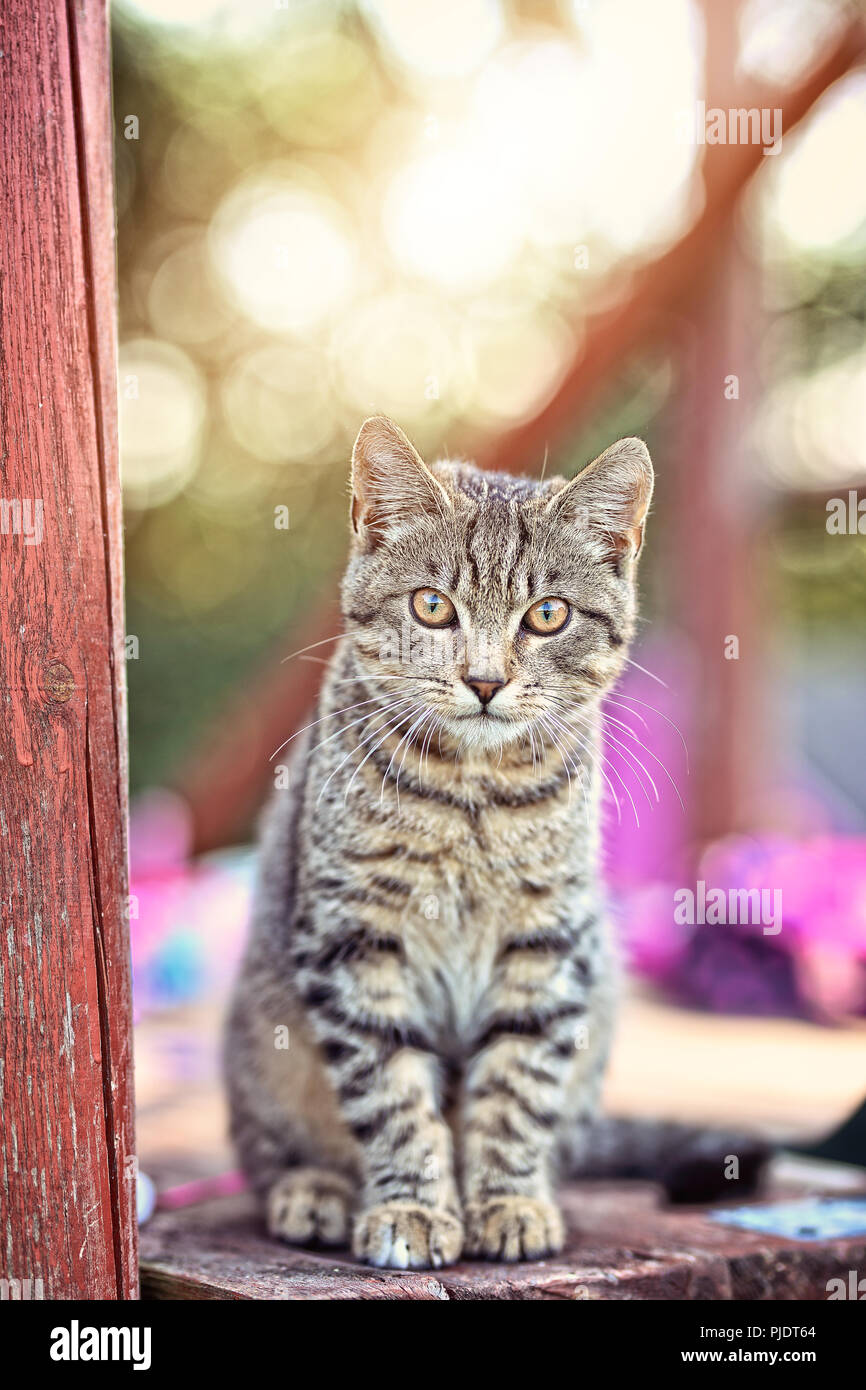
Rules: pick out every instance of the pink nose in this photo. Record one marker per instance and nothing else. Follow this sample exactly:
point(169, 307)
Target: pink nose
point(484, 689)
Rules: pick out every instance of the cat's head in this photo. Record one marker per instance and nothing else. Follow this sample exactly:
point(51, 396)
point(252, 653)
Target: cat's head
point(491, 604)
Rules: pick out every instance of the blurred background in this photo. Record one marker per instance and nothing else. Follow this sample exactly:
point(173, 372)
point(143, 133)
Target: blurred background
point(514, 228)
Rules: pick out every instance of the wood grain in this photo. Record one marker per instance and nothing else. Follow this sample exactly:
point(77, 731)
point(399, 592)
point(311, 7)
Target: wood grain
point(66, 1120)
point(621, 1245)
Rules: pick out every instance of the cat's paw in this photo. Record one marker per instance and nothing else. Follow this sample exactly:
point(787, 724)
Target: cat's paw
point(310, 1206)
point(406, 1235)
point(513, 1228)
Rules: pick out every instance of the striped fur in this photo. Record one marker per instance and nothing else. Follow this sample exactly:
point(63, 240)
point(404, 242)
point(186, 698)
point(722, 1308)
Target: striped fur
point(429, 925)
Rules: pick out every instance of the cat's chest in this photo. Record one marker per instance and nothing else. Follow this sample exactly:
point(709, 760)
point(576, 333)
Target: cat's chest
point(452, 952)
point(466, 906)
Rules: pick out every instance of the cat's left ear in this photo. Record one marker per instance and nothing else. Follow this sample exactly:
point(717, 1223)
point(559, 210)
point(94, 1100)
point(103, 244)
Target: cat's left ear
point(611, 497)
point(390, 481)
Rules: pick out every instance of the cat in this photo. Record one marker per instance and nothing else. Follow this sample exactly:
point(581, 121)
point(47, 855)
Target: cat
point(429, 934)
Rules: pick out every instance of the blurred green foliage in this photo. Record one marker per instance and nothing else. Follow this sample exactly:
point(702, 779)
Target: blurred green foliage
point(226, 418)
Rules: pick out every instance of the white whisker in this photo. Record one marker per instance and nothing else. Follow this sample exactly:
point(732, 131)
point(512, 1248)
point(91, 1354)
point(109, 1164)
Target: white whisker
point(378, 714)
point(345, 710)
point(311, 647)
point(631, 661)
point(406, 714)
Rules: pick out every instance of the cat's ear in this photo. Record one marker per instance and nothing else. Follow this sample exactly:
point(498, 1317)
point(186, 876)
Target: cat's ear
point(611, 497)
point(390, 481)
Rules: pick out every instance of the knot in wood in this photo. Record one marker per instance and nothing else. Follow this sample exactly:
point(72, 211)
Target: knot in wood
point(58, 682)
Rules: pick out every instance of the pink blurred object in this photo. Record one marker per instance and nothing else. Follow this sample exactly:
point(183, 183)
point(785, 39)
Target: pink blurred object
point(815, 966)
point(647, 770)
point(187, 918)
point(188, 1194)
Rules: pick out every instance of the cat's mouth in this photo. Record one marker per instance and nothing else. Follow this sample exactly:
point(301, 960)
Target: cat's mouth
point(489, 729)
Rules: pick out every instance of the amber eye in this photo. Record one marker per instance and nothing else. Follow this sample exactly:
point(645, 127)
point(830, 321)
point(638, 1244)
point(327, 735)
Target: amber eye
point(432, 608)
point(548, 615)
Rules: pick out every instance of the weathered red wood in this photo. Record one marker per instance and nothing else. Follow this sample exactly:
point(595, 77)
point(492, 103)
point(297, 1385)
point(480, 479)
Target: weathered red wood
point(66, 1122)
point(620, 1245)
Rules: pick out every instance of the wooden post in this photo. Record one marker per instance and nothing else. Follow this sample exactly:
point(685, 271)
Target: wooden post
point(718, 519)
point(67, 1185)
point(716, 506)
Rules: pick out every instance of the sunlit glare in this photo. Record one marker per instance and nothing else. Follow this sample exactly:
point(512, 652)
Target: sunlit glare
point(818, 195)
point(234, 18)
point(780, 38)
point(562, 142)
point(813, 429)
point(181, 302)
point(454, 217)
point(278, 403)
point(399, 353)
point(446, 39)
point(282, 253)
point(519, 359)
point(162, 410)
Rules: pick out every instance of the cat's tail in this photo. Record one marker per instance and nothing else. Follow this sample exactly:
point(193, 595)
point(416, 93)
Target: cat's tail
point(693, 1164)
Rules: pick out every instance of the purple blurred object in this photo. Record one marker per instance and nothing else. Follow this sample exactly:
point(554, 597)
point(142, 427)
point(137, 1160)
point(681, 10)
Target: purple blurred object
point(814, 967)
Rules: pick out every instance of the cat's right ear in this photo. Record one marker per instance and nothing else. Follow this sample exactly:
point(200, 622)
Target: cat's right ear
point(611, 497)
point(391, 484)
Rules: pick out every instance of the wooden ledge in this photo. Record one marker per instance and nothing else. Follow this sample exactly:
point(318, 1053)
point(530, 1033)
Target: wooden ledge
point(622, 1244)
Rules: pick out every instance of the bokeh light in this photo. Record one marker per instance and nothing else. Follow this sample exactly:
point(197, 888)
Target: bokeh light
point(779, 38)
point(278, 403)
point(230, 18)
point(338, 207)
point(520, 358)
point(813, 429)
point(448, 39)
point(453, 217)
point(818, 190)
point(181, 302)
point(162, 414)
point(282, 253)
point(400, 353)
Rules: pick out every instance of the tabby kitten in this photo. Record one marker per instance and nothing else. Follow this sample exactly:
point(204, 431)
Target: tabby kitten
point(429, 931)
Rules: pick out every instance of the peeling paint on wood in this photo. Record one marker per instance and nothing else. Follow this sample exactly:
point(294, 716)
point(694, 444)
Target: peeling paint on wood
point(67, 1201)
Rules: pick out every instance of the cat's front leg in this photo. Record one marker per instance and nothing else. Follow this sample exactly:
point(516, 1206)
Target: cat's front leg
point(515, 1094)
point(409, 1216)
point(385, 1079)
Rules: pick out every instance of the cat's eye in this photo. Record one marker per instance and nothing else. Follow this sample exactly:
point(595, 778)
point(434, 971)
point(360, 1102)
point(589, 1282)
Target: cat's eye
point(432, 608)
point(548, 615)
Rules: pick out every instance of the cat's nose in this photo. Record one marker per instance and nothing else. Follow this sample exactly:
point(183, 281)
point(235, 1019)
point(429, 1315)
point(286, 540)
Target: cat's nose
point(484, 688)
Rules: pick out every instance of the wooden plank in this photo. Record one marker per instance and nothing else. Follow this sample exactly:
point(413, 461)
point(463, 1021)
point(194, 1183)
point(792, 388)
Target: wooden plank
point(718, 519)
point(621, 1244)
point(66, 1120)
